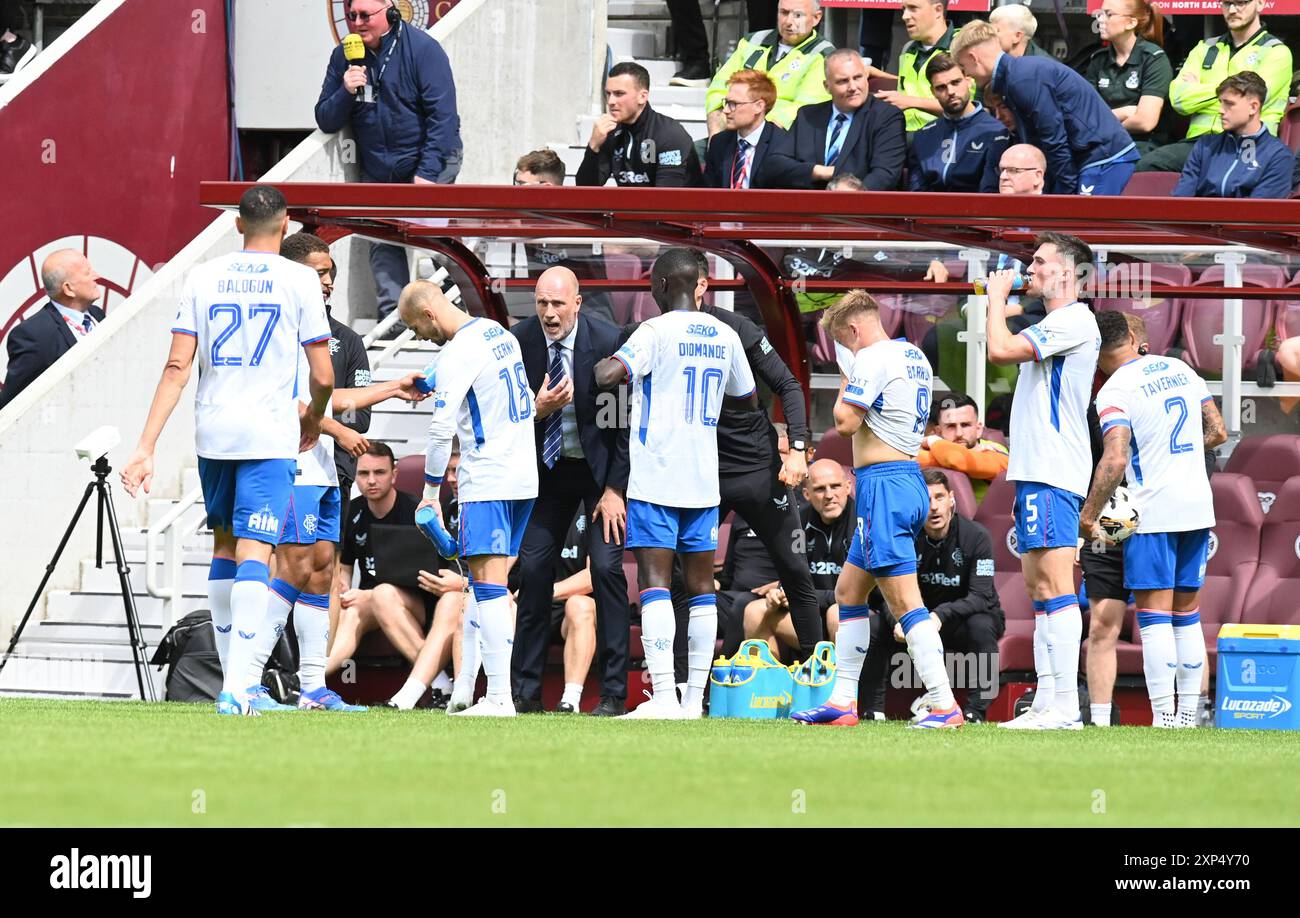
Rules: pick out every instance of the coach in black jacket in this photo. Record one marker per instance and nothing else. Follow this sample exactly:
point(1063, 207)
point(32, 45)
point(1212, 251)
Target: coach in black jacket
point(582, 452)
point(47, 334)
point(853, 132)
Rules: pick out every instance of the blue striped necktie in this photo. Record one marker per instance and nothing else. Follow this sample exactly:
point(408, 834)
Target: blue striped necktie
point(837, 141)
point(553, 434)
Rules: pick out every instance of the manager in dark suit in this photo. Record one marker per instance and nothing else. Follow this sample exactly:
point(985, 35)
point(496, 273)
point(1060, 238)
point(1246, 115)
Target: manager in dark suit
point(582, 454)
point(44, 336)
point(853, 132)
point(738, 157)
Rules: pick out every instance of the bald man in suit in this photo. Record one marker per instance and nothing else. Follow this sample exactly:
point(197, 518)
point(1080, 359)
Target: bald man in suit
point(65, 320)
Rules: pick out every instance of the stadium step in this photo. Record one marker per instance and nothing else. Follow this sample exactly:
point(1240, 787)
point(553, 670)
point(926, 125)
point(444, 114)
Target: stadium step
point(194, 574)
point(98, 670)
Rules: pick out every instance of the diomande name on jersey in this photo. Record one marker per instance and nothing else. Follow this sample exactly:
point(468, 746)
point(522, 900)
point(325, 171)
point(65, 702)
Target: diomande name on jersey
point(1159, 399)
point(483, 396)
point(251, 313)
point(681, 363)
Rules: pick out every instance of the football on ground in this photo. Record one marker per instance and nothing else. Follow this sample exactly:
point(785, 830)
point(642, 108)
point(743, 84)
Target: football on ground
point(74, 763)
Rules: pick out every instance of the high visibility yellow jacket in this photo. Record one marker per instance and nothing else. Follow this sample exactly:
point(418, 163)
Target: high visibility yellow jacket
point(1212, 61)
point(799, 75)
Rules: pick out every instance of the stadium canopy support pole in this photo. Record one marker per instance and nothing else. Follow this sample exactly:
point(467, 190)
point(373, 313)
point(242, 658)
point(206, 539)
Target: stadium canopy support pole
point(1231, 340)
point(976, 333)
point(467, 271)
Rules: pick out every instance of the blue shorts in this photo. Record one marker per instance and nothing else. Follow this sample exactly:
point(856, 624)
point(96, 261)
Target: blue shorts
point(674, 528)
point(1166, 560)
point(313, 515)
point(1046, 517)
point(1108, 178)
point(493, 527)
point(892, 503)
point(250, 496)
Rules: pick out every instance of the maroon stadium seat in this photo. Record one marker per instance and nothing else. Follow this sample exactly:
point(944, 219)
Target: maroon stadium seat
point(1162, 315)
point(834, 446)
point(1288, 314)
point(1152, 184)
point(410, 475)
point(623, 266)
point(963, 492)
point(1270, 462)
point(876, 84)
point(1016, 647)
point(1274, 596)
point(1203, 319)
point(921, 313)
point(1234, 552)
point(994, 514)
point(1289, 130)
point(891, 312)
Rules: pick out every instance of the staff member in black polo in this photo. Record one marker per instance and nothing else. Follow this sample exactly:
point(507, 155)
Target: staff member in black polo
point(1132, 72)
point(753, 478)
point(582, 457)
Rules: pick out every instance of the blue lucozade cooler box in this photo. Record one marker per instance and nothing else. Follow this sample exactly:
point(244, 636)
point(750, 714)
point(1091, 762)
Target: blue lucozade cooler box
point(1259, 677)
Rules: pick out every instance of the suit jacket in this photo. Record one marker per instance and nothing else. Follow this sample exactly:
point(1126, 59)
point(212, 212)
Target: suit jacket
point(604, 445)
point(874, 150)
point(721, 154)
point(34, 344)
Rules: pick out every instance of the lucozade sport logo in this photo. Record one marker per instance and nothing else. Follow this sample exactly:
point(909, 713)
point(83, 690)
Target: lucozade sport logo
point(120, 272)
point(421, 13)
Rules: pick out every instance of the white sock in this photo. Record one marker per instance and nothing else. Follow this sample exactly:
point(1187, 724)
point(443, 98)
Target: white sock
point(409, 694)
point(311, 623)
point(1159, 658)
point(573, 694)
point(441, 682)
point(247, 612)
point(279, 600)
point(658, 629)
point(1045, 693)
point(1064, 633)
point(926, 647)
point(1100, 715)
point(701, 636)
point(470, 658)
point(1190, 646)
point(851, 644)
point(221, 577)
point(496, 632)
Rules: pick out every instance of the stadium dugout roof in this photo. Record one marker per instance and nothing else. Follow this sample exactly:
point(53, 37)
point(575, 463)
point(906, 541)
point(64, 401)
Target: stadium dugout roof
point(736, 224)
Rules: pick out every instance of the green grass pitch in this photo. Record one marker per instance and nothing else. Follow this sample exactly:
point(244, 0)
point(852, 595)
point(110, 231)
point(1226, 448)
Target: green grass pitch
point(66, 763)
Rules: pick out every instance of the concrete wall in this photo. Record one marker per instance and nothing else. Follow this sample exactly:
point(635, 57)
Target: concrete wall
point(497, 46)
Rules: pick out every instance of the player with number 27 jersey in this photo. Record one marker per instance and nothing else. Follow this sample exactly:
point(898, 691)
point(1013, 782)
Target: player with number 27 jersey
point(251, 312)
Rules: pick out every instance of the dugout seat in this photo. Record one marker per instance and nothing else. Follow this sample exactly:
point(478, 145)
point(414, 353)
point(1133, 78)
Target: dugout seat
point(1234, 554)
point(994, 513)
point(410, 475)
point(1203, 319)
point(963, 492)
point(1270, 462)
point(1272, 598)
point(1016, 646)
point(1151, 184)
point(1162, 315)
point(836, 447)
point(623, 266)
point(1288, 314)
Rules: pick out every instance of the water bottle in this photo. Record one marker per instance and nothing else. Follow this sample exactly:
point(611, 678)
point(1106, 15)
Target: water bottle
point(1017, 284)
point(426, 382)
point(426, 520)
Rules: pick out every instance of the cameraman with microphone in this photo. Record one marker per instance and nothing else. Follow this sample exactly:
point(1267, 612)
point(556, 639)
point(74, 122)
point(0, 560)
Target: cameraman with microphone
point(393, 84)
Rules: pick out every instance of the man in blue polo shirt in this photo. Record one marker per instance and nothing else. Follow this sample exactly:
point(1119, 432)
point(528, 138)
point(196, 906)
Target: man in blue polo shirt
point(961, 150)
point(1056, 110)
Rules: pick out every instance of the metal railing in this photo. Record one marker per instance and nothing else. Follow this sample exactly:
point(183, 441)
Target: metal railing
point(172, 568)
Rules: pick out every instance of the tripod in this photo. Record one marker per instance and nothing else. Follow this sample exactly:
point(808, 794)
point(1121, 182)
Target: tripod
point(105, 504)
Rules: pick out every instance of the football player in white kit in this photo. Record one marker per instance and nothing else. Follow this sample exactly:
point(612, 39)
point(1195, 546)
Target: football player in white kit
point(884, 403)
point(249, 316)
point(305, 554)
point(482, 394)
point(1050, 460)
point(682, 364)
point(1157, 419)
